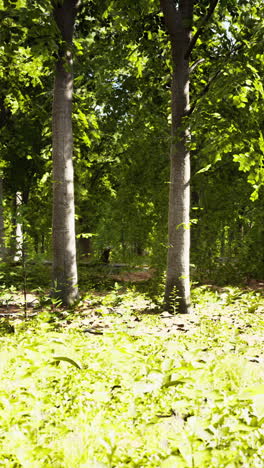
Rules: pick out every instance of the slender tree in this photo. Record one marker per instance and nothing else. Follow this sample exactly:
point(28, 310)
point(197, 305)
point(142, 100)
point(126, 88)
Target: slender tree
point(18, 227)
point(178, 23)
point(64, 245)
point(178, 20)
point(2, 229)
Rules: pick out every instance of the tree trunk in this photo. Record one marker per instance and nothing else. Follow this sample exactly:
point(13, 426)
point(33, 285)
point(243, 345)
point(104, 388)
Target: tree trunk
point(64, 244)
point(2, 228)
point(177, 292)
point(19, 228)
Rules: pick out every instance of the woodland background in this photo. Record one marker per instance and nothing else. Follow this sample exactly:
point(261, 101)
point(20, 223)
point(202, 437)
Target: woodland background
point(115, 379)
point(121, 126)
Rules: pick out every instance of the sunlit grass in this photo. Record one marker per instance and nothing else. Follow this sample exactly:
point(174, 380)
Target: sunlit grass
point(135, 395)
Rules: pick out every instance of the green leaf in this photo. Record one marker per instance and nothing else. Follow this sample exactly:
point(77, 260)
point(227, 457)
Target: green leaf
point(173, 383)
point(204, 169)
point(69, 360)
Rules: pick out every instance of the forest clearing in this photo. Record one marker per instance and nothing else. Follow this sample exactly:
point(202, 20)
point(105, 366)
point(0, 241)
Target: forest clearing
point(114, 382)
point(131, 234)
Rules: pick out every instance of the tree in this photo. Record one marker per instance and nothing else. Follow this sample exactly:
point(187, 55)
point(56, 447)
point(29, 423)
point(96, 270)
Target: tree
point(178, 21)
point(26, 77)
point(123, 69)
point(2, 229)
point(64, 245)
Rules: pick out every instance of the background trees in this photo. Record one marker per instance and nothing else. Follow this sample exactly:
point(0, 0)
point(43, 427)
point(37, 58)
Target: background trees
point(121, 125)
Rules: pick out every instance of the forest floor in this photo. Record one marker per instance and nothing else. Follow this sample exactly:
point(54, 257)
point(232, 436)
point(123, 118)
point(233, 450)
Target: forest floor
point(114, 384)
point(99, 309)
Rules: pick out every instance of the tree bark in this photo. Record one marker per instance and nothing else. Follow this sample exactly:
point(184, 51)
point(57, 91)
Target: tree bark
point(2, 228)
point(64, 244)
point(19, 240)
point(177, 291)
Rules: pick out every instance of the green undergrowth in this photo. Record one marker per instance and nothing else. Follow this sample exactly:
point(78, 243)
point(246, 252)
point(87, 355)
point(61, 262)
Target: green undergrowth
point(109, 385)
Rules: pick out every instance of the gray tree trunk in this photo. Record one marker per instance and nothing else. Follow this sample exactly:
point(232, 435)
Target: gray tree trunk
point(177, 292)
point(64, 244)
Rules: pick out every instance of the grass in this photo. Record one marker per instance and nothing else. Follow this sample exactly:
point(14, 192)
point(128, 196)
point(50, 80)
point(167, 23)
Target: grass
point(110, 385)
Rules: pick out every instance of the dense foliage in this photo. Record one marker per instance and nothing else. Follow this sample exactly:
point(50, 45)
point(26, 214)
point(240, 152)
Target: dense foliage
point(121, 131)
point(114, 381)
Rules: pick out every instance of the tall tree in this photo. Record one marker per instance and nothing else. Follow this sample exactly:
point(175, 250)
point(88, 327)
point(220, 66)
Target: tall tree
point(178, 23)
point(64, 245)
point(178, 20)
point(2, 229)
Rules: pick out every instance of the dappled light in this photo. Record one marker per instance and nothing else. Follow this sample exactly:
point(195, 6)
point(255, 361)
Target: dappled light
point(131, 234)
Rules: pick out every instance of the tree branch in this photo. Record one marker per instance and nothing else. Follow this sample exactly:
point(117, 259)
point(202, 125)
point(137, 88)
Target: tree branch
point(215, 76)
point(199, 31)
point(192, 68)
point(204, 91)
